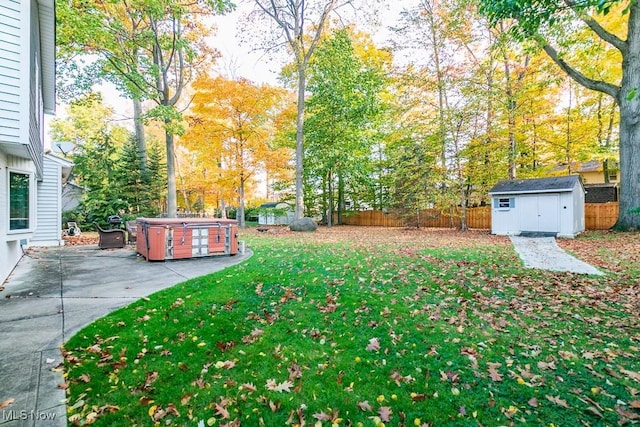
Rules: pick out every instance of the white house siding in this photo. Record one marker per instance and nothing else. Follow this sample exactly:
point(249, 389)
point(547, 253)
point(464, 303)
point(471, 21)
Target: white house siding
point(22, 44)
point(10, 250)
point(10, 57)
point(48, 230)
point(35, 110)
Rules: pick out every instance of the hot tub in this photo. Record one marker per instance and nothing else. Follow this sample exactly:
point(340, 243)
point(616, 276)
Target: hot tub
point(160, 239)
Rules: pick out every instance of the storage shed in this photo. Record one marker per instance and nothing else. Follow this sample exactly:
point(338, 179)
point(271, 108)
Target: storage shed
point(553, 206)
point(275, 214)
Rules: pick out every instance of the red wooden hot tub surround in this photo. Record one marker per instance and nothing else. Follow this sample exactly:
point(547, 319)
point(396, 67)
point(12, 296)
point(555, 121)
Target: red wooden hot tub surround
point(160, 239)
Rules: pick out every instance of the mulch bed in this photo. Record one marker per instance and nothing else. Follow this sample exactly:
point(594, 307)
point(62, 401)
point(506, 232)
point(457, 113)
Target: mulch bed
point(83, 239)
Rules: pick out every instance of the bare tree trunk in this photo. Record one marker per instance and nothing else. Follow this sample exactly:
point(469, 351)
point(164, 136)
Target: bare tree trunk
point(511, 121)
point(299, 208)
point(240, 211)
point(567, 148)
point(340, 198)
point(141, 143)
point(512, 106)
point(172, 206)
point(183, 189)
point(223, 208)
point(330, 199)
point(442, 96)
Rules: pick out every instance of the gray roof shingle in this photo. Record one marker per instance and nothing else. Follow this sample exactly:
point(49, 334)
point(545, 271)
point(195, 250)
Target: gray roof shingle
point(542, 185)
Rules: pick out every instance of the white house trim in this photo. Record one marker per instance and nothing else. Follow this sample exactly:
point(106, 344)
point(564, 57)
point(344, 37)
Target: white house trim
point(27, 90)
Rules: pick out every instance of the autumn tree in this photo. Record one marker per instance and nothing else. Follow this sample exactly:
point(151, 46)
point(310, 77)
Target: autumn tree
point(109, 30)
point(539, 20)
point(440, 72)
point(140, 189)
point(300, 25)
point(106, 163)
point(96, 144)
point(230, 127)
point(150, 48)
point(343, 115)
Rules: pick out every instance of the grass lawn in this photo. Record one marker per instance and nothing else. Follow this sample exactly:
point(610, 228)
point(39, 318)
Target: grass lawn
point(373, 327)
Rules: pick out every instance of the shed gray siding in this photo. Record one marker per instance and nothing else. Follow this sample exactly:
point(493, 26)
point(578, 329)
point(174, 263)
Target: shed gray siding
point(10, 43)
point(48, 229)
point(548, 205)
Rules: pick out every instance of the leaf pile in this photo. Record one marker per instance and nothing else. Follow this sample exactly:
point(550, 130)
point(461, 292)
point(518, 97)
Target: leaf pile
point(369, 326)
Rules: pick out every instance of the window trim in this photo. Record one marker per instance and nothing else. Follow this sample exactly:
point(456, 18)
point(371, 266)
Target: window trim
point(32, 204)
point(504, 203)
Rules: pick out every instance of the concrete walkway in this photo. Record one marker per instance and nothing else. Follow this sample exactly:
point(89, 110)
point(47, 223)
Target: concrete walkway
point(51, 295)
point(543, 253)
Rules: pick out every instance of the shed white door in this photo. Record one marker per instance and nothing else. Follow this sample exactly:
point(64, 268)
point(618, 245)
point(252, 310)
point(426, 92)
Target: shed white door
point(540, 213)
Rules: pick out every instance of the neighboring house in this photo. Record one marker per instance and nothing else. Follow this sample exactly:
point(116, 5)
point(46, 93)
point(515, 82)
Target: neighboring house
point(49, 202)
point(275, 214)
point(27, 91)
point(71, 196)
point(592, 172)
point(542, 205)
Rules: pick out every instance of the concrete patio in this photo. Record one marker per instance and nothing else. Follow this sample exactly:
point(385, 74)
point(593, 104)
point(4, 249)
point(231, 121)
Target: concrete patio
point(52, 294)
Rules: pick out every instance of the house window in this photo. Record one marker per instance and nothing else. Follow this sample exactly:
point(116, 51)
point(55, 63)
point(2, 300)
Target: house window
point(613, 176)
point(504, 203)
point(19, 200)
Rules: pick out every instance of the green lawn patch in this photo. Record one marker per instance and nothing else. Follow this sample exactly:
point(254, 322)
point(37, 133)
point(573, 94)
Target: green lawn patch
point(336, 329)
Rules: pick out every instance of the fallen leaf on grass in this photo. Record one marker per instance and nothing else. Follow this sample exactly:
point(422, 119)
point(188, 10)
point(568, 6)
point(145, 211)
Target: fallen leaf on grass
point(385, 413)
point(567, 355)
point(557, 400)
point(626, 415)
point(547, 366)
point(374, 344)
point(222, 411)
point(150, 379)
point(283, 387)
point(248, 387)
point(634, 404)
point(594, 411)
point(365, 406)
point(631, 375)
point(185, 399)
point(533, 402)
point(322, 416)
point(493, 371)
point(417, 397)
point(399, 379)
point(495, 375)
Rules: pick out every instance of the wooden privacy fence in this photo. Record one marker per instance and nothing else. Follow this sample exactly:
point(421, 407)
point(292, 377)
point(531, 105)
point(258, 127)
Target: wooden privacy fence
point(600, 216)
point(597, 216)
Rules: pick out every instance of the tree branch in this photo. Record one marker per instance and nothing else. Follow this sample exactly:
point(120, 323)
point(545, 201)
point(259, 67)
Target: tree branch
point(595, 26)
point(597, 85)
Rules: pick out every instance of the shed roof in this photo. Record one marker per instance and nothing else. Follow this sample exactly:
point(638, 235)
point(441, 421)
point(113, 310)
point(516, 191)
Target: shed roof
point(277, 205)
point(537, 185)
